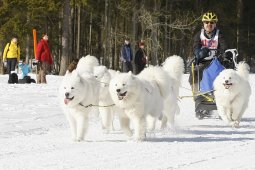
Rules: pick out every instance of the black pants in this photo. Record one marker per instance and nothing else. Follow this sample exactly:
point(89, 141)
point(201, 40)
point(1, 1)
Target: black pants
point(139, 68)
point(201, 68)
point(127, 66)
point(11, 64)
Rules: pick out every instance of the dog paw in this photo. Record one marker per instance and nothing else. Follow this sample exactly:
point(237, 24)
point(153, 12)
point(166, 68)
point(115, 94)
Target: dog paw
point(79, 139)
point(236, 124)
point(140, 138)
point(163, 123)
point(128, 133)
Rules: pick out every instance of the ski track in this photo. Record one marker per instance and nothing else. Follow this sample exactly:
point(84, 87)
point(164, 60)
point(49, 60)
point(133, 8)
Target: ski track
point(34, 134)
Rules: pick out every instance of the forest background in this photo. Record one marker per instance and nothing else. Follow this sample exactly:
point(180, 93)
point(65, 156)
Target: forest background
point(98, 27)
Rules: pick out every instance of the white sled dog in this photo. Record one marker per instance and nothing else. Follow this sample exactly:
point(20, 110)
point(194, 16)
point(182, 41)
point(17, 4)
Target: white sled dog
point(232, 93)
point(174, 66)
point(107, 107)
point(140, 96)
point(78, 91)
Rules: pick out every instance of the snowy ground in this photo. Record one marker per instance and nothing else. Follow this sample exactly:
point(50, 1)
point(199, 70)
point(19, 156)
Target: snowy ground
point(34, 135)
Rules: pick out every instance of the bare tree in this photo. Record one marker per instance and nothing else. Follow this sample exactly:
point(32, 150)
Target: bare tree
point(239, 15)
point(78, 31)
point(65, 37)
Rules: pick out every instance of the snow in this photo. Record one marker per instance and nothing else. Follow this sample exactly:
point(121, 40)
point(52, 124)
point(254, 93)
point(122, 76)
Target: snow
point(34, 134)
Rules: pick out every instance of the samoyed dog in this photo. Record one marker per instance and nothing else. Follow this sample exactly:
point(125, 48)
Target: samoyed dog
point(232, 93)
point(174, 66)
point(78, 92)
point(140, 96)
point(107, 107)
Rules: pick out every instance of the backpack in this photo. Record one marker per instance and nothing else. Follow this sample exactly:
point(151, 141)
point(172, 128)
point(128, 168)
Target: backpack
point(13, 78)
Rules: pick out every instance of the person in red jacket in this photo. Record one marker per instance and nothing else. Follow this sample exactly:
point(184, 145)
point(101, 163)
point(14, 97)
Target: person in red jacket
point(44, 58)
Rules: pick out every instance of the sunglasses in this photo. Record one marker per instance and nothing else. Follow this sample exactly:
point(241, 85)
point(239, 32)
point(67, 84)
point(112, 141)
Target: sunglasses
point(207, 22)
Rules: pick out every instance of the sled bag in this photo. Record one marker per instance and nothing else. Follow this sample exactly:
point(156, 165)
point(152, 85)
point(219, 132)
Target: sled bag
point(209, 75)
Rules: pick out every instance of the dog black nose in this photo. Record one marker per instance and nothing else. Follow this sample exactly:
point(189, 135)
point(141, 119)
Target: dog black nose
point(66, 94)
point(226, 81)
point(118, 90)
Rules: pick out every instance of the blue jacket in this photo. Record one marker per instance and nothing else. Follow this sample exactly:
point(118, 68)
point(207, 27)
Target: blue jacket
point(126, 53)
point(25, 69)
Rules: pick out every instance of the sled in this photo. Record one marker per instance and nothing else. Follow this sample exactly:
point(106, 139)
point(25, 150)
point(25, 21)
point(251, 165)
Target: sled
point(203, 96)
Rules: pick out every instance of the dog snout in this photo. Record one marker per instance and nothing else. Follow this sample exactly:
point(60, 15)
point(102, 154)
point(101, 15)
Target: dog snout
point(67, 94)
point(226, 81)
point(118, 90)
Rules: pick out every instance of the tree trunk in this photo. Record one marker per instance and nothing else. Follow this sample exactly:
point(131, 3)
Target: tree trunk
point(71, 34)
point(65, 37)
point(239, 15)
point(78, 32)
point(106, 40)
point(1, 58)
point(90, 34)
point(116, 56)
point(154, 36)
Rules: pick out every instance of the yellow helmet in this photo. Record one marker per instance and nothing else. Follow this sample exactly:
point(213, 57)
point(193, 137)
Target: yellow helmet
point(209, 16)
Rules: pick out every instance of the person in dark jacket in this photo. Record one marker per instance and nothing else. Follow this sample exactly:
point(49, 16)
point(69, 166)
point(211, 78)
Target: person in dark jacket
point(208, 42)
point(127, 56)
point(140, 58)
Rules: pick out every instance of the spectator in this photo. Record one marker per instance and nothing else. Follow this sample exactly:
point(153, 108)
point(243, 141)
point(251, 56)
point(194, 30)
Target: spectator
point(12, 54)
point(140, 58)
point(44, 58)
point(127, 56)
point(24, 68)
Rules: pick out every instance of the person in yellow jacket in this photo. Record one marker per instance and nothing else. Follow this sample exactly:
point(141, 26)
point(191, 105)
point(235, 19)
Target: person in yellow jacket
point(12, 54)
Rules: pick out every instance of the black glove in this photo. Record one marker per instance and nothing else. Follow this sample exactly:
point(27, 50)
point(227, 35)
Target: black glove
point(204, 52)
point(201, 54)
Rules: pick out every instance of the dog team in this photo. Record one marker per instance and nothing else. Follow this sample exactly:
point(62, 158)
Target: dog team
point(141, 100)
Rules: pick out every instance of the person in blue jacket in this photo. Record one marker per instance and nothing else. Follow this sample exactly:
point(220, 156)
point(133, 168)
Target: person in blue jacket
point(25, 68)
point(127, 56)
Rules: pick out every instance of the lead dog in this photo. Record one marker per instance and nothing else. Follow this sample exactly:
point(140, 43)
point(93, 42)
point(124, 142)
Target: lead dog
point(141, 96)
point(232, 93)
point(78, 92)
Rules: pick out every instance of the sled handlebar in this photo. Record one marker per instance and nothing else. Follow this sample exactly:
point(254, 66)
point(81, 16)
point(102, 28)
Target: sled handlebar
point(233, 51)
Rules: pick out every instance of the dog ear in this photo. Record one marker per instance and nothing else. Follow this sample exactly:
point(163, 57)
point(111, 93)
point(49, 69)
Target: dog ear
point(105, 68)
point(133, 77)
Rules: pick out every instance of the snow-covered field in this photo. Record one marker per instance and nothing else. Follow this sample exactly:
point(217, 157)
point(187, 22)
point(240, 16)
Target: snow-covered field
point(34, 135)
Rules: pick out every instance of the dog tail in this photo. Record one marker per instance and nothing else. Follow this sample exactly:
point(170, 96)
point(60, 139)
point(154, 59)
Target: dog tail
point(86, 64)
point(158, 75)
point(243, 70)
point(174, 66)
